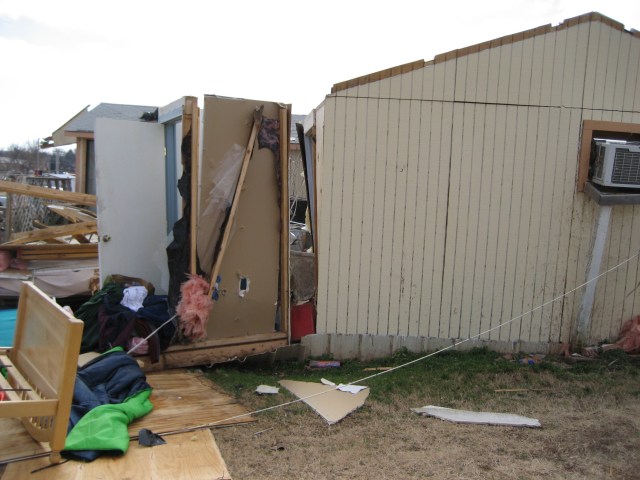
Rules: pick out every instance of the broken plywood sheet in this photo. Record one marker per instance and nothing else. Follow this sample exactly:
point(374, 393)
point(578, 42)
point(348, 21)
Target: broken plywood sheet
point(192, 455)
point(483, 418)
point(15, 442)
point(331, 404)
point(253, 250)
point(181, 399)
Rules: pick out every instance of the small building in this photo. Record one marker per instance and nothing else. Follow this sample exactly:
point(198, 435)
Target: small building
point(451, 198)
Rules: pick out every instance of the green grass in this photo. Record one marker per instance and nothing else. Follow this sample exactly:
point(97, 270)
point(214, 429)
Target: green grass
point(451, 378)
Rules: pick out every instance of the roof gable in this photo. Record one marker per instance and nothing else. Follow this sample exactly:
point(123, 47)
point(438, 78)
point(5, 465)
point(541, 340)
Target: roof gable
point(443, 57)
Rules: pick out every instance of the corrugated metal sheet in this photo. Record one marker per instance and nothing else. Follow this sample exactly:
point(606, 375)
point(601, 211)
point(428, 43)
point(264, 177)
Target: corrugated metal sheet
point(448, 199)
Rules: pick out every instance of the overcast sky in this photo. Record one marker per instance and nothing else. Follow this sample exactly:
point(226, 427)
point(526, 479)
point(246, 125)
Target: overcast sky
point(59, 56)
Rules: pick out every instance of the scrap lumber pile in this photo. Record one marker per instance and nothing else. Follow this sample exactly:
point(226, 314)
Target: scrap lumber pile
point(73, 239)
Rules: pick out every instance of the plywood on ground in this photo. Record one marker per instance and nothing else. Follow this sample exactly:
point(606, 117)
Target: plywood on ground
point(184, 399)
point(191, 456)
point(181, 399)
point(16, 442)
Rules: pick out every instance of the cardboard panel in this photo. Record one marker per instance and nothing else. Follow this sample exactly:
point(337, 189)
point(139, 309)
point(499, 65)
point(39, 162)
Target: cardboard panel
point(253, 251)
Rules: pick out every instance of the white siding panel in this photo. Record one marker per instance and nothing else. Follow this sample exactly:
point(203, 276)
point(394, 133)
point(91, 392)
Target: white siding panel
point(594, 59)
point(426, 170)
point(578, 44)
point(623, 64)
point(357, 228)
point(378, 232)
point(388, 285)
point(632, 85)
point(501, 191)
point(408, 294)
point(488, 213)
point(515, 72)
point(454, 255)
point(431, 313)
point(344, 205)
point(537, 70)
point(325, 182)
point(400, 214)
point(335, 211)
point(369, 193)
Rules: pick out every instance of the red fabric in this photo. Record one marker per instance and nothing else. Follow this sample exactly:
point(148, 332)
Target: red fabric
point(301, 321)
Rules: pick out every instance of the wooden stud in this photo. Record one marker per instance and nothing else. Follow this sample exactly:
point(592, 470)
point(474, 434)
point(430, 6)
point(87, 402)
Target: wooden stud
point(49, 193)
point(53, 232)
point(284, 218)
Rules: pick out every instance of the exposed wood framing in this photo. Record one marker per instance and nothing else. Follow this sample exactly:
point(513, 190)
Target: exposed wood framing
point(49, 193)
point(81, 165)
point(46, 252)
point(53, 232)
point(284, 219)
point(191, 123)
point(215, 351)
point(72, 214)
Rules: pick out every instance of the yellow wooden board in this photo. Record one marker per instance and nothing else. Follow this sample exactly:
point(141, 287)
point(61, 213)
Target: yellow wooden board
point(188, 456)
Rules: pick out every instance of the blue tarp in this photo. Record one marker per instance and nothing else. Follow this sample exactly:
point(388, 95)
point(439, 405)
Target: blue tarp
point(7, 326)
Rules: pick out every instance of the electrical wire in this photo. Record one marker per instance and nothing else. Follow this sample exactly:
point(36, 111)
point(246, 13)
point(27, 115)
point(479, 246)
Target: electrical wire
point(392, 369)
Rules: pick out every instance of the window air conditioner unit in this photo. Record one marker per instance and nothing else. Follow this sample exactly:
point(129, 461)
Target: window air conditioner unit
point(616, 164)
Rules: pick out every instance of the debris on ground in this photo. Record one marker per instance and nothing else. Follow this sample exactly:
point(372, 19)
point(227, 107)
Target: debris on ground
point(531, 359)
point(320, 364)
point(267, 390)
point(629, 337)
point(328, 402)
point(481, 418)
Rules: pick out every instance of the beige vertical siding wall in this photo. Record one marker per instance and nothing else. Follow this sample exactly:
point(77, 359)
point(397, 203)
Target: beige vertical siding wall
point(448, 194)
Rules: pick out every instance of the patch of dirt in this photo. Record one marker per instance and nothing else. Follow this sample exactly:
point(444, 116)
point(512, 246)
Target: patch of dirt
point(582, 437)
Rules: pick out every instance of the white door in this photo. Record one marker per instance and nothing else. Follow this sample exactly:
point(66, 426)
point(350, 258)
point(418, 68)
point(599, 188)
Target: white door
point(130, 186)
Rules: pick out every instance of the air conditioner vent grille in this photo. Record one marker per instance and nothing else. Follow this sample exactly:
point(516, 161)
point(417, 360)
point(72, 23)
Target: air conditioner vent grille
point(626, 167)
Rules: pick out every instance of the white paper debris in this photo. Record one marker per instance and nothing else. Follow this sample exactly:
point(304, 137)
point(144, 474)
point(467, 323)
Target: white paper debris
point(351, 388)
point(485, 418)
point(267, 390)
point(342, 387)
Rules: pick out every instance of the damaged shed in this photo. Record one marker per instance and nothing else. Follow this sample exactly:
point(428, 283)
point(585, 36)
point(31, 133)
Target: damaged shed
point(183, 191)
point(451, 196)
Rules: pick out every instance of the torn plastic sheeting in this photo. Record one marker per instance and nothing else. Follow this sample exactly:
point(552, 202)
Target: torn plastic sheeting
point(482, 418)
point(214, 213)
point(329, 403)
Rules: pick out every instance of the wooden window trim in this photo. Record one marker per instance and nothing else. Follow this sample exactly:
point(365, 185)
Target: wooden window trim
point(588, 127)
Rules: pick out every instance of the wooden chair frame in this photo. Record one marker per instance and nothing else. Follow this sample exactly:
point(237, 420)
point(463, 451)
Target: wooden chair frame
point(41, 368)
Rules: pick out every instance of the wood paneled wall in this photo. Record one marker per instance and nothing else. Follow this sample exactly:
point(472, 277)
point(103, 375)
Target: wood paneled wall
point(447, 194)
